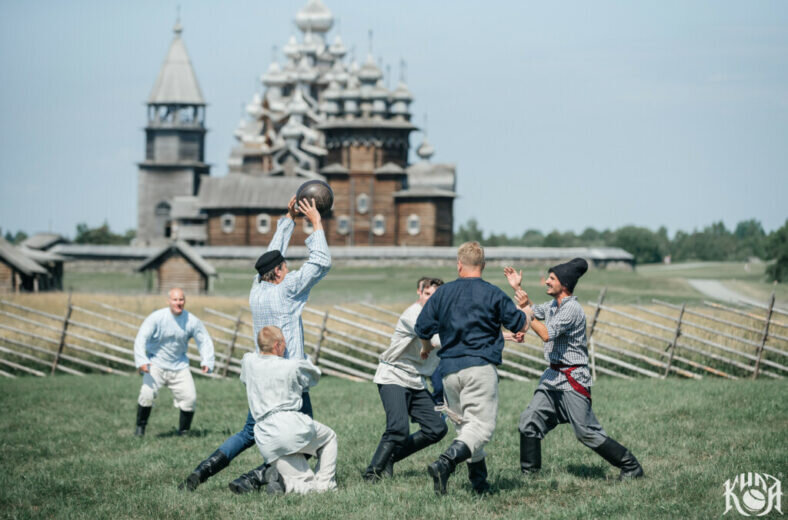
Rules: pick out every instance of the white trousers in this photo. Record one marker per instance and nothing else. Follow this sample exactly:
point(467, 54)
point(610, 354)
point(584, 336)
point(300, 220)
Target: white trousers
point(472, 393)
point(180, 383)
point(295, 470)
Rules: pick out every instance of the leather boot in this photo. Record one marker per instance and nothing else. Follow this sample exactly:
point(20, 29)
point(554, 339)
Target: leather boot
point(275, 484)
point(207, 468)
point(415, 442)
point(477, 474)
point(251, 481)
point(441, 469)
point(620, 457)
point(530, 455)
point(143, 412)
point(381, 458)
point(185, 422)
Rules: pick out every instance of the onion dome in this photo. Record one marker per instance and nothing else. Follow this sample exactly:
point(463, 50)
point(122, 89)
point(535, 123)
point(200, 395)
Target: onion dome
point(274, 75)
point(292, 130)
point(305, 71)
point(425, 150)
point(402, 93)
point(315, 17)
point(369, 71)
point(291, 48)
point(297, 104)
point(337, 49)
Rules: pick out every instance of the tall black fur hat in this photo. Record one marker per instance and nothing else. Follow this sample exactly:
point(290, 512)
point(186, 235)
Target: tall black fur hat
point(569, 273)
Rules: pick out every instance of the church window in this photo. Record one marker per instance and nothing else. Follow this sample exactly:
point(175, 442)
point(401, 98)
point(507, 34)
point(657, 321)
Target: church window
point(263, 223)
point(228, 223)
point(362, 203)
point(414, 224)
point(379, 225)
point(343, 225)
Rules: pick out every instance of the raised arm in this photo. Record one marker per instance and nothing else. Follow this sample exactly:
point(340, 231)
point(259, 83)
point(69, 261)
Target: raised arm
point(319, 261)
point(284, 229)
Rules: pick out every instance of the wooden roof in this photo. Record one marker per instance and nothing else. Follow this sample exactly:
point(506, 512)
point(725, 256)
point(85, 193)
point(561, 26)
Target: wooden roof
point(183, 249)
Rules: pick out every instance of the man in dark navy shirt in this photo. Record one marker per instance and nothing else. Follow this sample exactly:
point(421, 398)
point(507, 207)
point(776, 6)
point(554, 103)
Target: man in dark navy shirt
point(468, 314)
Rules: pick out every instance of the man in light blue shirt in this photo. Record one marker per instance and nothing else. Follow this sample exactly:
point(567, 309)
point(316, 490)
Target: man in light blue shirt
point(277, 298)
point(160, 356)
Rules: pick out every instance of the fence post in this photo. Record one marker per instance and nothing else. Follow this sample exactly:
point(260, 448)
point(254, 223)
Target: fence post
point(231, 346)
point(62, 343)
point(592, 350)
point(321, 338)
point(675, 341)
point(764, 336)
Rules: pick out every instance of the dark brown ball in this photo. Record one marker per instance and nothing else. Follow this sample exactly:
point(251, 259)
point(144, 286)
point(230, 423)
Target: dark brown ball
point(320, 191)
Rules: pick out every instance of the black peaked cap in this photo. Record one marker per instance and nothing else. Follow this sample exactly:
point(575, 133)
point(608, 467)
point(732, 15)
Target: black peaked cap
point(268, 261)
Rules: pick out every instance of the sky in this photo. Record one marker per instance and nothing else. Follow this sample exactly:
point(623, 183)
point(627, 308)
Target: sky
point(558, 115)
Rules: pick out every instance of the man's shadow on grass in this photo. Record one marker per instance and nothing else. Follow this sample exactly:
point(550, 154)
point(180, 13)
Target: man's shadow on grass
point(587, 472)
point(198, 432)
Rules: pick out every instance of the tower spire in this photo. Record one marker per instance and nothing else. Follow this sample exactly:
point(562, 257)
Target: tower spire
point(178, 29)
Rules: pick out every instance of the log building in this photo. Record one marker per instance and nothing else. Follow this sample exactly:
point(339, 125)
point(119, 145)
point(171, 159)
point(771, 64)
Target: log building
point(320, 116)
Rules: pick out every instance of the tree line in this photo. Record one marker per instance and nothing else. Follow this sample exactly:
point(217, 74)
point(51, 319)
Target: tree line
point(713, 243)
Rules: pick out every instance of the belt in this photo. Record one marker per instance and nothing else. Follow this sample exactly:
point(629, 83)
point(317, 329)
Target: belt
point(567, 371)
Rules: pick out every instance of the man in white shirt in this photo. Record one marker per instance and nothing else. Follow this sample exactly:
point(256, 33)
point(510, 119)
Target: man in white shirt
point(283, 434)
point(400, 378)
point(160, 356)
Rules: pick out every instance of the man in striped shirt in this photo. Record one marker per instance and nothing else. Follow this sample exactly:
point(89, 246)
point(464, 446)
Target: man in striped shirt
point(277, 298)
point(564, 391)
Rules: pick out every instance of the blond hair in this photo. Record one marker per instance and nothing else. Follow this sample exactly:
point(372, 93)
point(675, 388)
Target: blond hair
point(471, 254)
point(267, 337)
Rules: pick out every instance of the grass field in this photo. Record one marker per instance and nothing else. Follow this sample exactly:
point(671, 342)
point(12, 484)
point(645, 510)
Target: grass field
point(396, 284)
point(68, 452)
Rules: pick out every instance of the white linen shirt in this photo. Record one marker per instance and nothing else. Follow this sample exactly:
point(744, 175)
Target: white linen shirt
point(274, 386)
point(282, 304)
point(163, 340)
point(401, 363)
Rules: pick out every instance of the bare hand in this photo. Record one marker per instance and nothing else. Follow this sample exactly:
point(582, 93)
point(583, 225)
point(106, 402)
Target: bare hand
point(205, 369)
point(144, 369)
point(519, 337)
point(424, 354)
point(309, 210)
point(513, 277)
point(292, 211)
point(522, 298)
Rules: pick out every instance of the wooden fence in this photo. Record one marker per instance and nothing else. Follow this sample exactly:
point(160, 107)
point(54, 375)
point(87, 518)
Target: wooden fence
point(657, 340)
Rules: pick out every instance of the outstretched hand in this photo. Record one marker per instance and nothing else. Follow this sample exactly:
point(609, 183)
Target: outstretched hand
point(514, 278)
point(309, 210)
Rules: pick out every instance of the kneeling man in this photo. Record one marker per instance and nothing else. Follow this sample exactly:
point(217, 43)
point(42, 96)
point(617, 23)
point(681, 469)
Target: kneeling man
point(275, 388)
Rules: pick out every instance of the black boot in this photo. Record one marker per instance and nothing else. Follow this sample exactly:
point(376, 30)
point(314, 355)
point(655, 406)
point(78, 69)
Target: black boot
point(251, 481)
point(477, 474)
point(207, 468)
point(185, 422)
point(620, 457)
point(441, 469)
point(530, 455)
point(143, 412)
point(381, 458)
point(275, 484)
point(413, 443)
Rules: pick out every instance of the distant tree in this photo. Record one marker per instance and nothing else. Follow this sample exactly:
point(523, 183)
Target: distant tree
point(101, 235)
point(750, 239)
point(469, 232)
point(16, 238)
point(641, 242)
point(777, 248)
point(532, 238)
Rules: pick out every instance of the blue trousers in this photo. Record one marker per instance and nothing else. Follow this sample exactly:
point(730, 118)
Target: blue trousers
point(437, 387)
point(245, 438)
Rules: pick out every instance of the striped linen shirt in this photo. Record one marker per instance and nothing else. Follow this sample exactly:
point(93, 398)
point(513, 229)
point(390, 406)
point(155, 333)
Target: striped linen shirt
point(566, 343)
point(282, 304)
point(163, 340)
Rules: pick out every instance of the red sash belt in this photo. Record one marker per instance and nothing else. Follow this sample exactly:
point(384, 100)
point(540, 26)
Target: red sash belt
point(567, 371)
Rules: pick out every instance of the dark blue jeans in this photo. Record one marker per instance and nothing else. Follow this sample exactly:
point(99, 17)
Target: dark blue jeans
point(245, 438)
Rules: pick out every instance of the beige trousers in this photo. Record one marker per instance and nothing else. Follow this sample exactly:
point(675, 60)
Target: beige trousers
point(472, 393)
point(180, 383)
point(295, 470)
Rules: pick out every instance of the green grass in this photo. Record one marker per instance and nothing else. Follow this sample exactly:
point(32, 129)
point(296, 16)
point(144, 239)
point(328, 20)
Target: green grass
point(396, 284)
point(68, 452)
